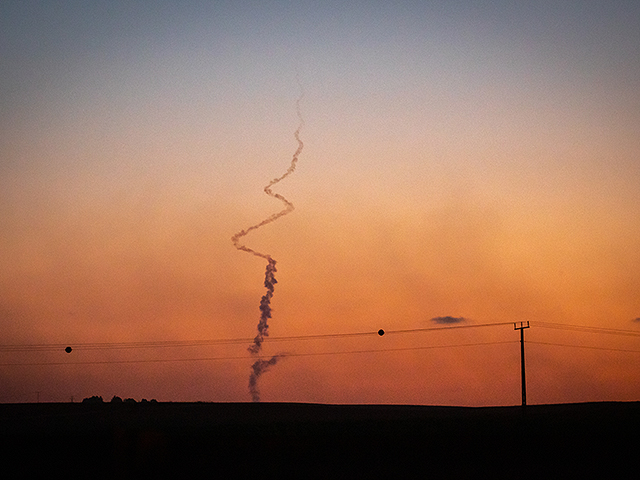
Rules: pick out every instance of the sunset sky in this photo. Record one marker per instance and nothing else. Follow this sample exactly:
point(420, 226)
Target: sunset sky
point(472, 160)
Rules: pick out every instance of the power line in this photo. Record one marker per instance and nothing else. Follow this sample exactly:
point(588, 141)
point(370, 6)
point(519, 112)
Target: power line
point(122, 345)
point(584, 346)
point(586, 328)
point(245, 357)
point(224, 341)
point(429, 329)
point(42, 347)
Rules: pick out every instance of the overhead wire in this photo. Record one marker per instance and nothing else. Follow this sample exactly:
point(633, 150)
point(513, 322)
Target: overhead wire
point(244, 357)
point(230, 341)
point(223, 341)
point(586, 328)
point(451, 327)
point(583, 346)
point(121, 345)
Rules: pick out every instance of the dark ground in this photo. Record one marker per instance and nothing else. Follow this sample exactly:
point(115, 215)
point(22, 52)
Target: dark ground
point(265, 440)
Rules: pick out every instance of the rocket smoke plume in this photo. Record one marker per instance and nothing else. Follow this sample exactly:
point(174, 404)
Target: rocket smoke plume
point(260, 366)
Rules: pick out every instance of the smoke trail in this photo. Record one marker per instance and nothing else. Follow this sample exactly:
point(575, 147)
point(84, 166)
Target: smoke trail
point(265, 308)
point(260, 366)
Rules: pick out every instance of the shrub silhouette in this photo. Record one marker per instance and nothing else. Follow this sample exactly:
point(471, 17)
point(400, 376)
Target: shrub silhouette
point(94, 399)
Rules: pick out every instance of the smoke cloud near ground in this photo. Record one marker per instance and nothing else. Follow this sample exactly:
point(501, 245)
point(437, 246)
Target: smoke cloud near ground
point(257, 369)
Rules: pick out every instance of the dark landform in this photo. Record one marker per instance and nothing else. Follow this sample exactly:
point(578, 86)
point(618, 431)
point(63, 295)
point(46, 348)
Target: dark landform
point(295, 440)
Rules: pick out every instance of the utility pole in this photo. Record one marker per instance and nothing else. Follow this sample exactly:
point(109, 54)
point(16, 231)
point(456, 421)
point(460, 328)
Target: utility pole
point(522, 374)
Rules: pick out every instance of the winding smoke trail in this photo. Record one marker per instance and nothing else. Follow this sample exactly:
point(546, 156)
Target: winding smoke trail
point(260, 366)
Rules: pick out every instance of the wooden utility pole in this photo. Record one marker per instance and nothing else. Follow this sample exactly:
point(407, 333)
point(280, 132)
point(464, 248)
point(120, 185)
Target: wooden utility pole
point(522, 373)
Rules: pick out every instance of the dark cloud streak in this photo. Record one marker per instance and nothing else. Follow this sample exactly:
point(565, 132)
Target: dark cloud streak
point(448, 320)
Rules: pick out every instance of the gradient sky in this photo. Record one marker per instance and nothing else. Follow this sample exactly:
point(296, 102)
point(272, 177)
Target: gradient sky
point(477, 160)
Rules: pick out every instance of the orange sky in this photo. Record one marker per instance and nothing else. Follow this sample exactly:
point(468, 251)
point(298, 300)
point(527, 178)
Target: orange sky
point(454, 164)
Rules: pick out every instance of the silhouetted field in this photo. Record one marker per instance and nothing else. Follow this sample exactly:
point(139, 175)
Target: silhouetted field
point(227, 440)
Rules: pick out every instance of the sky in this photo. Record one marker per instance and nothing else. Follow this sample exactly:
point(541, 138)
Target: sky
point(464, 164)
